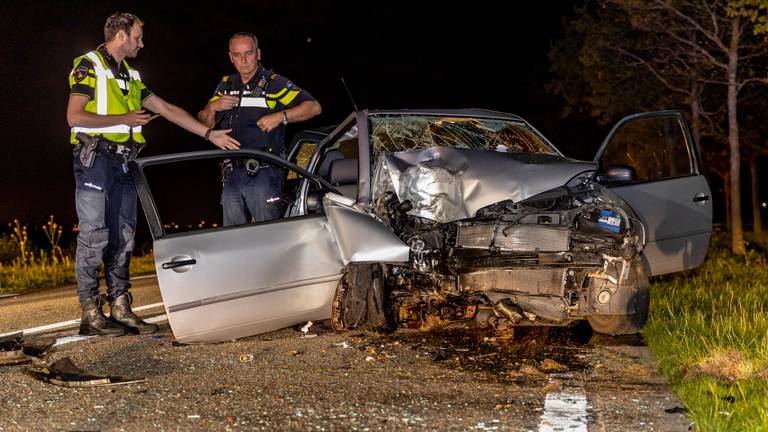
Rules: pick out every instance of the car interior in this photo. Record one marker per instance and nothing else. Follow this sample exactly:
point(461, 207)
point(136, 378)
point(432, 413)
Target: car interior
point(338, 166)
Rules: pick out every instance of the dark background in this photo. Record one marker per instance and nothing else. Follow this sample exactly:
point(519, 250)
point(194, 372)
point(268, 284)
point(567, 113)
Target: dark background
point(393, 54)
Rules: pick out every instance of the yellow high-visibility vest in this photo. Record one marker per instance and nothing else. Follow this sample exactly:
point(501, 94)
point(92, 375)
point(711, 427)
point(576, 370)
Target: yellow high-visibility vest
point(109, 100)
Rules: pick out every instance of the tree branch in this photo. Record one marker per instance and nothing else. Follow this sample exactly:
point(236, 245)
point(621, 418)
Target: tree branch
point(712, 37)
point(696, 47)
point(653, 71)
point(761, 53)
point(741, 85)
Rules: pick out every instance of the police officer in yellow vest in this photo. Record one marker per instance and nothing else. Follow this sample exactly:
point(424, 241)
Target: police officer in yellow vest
point(106, 114)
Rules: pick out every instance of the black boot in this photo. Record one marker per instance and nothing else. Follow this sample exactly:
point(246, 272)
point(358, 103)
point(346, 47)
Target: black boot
point(94, 323)
point(122, 313)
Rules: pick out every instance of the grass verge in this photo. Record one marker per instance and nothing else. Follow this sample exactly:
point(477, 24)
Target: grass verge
point(41, 273)
point(708, 330)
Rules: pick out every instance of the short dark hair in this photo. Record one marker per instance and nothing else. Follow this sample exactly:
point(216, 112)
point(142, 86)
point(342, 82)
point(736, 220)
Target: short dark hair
point(244, 34)
point(120, 21)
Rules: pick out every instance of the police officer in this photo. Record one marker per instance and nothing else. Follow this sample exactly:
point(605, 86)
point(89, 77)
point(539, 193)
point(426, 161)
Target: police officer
point(106, 114)
point(256, 104)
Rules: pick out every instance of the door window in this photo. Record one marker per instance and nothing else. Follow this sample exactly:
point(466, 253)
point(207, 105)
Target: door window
point(304, 154)
point(654, 147)
point(187, 193)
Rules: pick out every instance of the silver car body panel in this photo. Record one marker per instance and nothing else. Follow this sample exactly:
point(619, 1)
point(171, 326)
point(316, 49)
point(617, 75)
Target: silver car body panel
point(248, 280)
point(676, 211)
point(678, 228)
point(360, 236)
point(449, 184)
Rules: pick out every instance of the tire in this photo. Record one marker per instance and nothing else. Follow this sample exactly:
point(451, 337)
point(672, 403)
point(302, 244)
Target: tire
point(358, 302)
point(616, 325)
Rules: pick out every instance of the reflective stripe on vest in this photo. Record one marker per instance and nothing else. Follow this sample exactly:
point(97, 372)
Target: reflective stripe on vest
point(103, 75)
point(121, 129)
point(255, 102)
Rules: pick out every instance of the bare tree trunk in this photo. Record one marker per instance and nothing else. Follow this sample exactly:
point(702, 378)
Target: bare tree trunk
point(737, 234)
point(727, 199)
point(757, 220)
point(696, 116)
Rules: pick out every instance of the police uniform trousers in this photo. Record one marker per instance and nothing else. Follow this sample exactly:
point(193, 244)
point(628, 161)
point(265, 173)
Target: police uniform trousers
point(256, 196)
point(105, 200)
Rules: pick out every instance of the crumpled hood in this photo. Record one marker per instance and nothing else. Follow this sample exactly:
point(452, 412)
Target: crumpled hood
point(448, 184)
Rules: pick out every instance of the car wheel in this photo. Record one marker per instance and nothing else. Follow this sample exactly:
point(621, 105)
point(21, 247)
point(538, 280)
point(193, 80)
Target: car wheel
point(630, 323)
point(359, 299)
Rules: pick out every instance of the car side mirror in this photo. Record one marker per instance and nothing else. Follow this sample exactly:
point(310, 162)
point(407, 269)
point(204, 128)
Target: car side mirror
point(618, 174)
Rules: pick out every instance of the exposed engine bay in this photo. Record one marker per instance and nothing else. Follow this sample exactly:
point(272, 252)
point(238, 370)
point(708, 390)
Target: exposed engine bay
point(568, 253)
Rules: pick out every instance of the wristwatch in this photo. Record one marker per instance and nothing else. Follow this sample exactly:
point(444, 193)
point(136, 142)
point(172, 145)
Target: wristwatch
point(285, 118)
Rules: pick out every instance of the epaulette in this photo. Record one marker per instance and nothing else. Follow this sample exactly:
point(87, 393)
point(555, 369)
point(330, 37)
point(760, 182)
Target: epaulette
point(273, 76)
point(82, 59)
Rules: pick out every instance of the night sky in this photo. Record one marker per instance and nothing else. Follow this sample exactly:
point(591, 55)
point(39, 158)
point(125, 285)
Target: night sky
point(392, 55)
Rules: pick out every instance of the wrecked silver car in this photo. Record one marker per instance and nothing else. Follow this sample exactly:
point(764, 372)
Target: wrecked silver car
point(403, 218)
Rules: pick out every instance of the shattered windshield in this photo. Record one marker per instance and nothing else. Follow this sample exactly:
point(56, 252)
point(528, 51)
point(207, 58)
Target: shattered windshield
point(392, 133)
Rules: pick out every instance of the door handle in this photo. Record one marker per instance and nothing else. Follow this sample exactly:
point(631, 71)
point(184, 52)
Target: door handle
point(700, 198)
point(180, 263)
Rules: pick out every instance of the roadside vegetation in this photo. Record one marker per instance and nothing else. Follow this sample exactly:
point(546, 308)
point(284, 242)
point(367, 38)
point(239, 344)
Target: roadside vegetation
point(25, 266)
point(708, 330)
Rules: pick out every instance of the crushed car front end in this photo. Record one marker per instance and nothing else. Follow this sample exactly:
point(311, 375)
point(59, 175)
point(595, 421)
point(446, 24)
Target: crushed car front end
point(503, 231)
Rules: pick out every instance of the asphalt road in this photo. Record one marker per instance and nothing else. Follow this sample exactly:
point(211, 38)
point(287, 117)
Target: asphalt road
point(449, 379)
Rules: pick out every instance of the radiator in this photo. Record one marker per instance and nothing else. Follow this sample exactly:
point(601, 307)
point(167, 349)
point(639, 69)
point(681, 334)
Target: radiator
point(516, 238)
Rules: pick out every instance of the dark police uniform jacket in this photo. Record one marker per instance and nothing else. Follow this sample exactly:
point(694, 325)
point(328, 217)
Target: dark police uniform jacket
point(264, 94)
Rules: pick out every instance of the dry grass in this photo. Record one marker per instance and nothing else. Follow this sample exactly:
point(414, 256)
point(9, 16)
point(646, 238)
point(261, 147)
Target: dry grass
point(41, 273)
point(727, 365)
point(22, 268)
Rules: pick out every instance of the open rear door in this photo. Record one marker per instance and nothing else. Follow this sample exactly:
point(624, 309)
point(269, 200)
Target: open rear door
point(665, 188)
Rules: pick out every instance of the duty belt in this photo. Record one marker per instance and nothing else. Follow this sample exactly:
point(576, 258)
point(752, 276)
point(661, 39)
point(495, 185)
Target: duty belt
point(90, 144)
point(116, 148)
point(251, 166)
point(111, 147)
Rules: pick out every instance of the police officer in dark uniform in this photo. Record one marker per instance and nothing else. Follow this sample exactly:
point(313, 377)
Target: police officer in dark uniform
point(256, 104)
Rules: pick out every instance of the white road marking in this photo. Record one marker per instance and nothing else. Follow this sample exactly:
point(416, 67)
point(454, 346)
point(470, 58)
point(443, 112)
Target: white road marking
point(71, 323)
point(157, 319)
point(77, 338)
point(564, 411)
point(145, 307)
point(68, 339)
